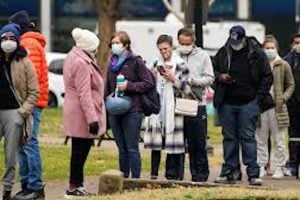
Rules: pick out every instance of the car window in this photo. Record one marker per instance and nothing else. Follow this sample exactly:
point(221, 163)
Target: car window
point(56, 66)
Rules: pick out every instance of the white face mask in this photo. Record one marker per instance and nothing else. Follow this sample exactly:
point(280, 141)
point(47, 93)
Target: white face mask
point(184, 49)
point(271, 53)
point(117, 48)
point(237, 47)
point(297, 48)
point(9, 46)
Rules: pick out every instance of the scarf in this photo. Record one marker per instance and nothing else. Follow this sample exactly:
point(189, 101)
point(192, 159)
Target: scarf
point(163, 124)
point(116, 62)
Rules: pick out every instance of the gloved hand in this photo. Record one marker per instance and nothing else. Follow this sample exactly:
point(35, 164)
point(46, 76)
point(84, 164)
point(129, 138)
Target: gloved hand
point(94, 128)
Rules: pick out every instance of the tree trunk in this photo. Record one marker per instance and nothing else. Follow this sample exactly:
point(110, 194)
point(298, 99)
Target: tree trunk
point(107, 17)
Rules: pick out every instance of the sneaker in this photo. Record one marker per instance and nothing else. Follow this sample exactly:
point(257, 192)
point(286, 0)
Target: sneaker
point(290, 172)
point(255, 181)
point(278, 173)
point(6, 195)
point(225, 180)
point(153, 177)
point(262, 172)
point(30, 194)
point(77, 192)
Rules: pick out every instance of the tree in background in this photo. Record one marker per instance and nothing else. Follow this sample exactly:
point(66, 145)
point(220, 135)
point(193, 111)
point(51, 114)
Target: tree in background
point(107, 17)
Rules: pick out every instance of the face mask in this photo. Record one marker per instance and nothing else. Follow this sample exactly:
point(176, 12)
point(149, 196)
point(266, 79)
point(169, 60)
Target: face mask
point(237, 47)
point(184, 49)
point(9, 46)
point(271, 53)
point(297, 48)
point(117, 48)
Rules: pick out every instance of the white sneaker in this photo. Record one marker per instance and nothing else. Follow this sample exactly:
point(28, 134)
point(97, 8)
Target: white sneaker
point(288, 172)
point(262, 172)
point(278, 173)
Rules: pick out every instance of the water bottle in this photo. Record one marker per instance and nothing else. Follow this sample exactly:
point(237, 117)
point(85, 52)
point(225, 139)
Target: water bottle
point(119, 80)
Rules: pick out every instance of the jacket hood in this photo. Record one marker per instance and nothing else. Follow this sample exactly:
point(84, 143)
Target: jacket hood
point(36, 35)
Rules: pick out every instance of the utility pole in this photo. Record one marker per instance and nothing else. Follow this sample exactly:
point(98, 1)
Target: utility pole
point(297, 17)
point(198, 21)
point(45, 13)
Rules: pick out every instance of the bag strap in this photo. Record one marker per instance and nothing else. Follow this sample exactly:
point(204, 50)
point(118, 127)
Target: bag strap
point(192, 94)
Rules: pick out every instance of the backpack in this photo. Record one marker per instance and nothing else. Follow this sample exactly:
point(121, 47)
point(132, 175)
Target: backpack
point(150, 100)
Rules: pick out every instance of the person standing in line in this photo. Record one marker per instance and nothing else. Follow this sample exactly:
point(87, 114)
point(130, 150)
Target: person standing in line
point(165, 130)
point(136, 80)
point(19, 92)
point(293, 58)
point(30, 166)
point(195, 128)
point(84, 112)
point(275, 119)
point(242, 85)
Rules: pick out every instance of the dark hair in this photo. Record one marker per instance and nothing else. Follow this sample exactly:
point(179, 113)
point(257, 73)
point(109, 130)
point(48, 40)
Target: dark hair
point(30, 28)
point(187, 32)
point(164, 38)
point(296, 35)
point(271, 38)
point(124, 38)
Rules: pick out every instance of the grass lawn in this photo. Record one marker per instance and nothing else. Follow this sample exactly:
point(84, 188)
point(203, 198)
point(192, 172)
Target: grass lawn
point(51, 125)
point(203, 194)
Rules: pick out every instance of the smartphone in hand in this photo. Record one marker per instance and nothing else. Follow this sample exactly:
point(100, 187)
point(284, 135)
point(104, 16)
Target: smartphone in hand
point(161, 69)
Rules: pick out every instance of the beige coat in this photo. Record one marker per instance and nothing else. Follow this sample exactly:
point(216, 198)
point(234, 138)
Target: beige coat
point(26, 86)
point(283, 88)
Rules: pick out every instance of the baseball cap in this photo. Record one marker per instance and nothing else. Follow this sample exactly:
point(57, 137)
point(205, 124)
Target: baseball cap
point(236, 35)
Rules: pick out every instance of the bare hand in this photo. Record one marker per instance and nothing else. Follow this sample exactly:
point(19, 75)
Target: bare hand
point(225, 78)
point(169, 76)
point(122, 86)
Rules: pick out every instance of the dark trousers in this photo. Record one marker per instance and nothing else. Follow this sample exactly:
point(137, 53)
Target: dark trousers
point(238, 127)
point(80, 150)
point(294, 132)
point(175, 166)
point(195, 132)
point(155, 162)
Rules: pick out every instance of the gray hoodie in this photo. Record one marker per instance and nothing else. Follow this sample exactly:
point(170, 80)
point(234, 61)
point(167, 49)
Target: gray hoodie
point(200, 66)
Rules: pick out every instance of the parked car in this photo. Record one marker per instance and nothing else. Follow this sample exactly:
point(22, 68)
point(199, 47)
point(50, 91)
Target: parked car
point(55, 63)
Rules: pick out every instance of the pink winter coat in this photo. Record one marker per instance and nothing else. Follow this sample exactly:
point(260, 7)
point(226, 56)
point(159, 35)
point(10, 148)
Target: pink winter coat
point(84, 95)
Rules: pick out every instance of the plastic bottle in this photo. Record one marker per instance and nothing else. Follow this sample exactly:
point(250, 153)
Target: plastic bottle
point(119, 80)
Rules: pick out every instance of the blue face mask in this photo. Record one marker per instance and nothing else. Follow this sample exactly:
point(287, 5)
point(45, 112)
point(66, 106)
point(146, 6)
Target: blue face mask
point(117, 49)
point(271, 53)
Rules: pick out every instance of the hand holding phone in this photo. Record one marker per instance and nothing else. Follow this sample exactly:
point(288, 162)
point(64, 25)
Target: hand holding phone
point(161, 69)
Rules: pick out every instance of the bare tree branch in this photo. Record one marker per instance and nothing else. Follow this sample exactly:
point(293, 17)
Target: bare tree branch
point(173, 11)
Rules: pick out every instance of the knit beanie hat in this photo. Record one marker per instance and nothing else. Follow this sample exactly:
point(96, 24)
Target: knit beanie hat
point(85, 39)
point(10, 29)
point(20, 18)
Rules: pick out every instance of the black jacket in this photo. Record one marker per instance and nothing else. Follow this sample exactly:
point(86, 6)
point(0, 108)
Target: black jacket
point(261, 75)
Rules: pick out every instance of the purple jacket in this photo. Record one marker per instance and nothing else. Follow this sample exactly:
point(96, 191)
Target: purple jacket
point(138, 82)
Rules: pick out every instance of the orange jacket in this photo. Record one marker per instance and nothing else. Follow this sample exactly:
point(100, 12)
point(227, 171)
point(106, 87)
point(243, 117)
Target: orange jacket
point(34, 43)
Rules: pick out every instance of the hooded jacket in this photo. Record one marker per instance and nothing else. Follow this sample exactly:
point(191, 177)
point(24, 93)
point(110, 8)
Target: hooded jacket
point(34, 43)
point(261, 75)
point(200, 67)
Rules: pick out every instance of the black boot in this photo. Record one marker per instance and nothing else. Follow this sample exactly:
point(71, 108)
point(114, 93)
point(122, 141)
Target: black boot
point(6, 195)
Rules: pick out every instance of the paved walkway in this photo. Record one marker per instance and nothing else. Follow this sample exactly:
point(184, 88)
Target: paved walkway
point(55, 189)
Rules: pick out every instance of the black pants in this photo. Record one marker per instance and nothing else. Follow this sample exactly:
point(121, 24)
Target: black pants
point(195, 132)
point(175, 166)
point(80, 151)
point(294, 132)
point(155, 162)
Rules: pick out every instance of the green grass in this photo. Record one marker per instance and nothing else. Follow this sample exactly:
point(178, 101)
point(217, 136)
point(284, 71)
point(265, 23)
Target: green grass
point(203, 193)
point(51, 125)
point(56, 158)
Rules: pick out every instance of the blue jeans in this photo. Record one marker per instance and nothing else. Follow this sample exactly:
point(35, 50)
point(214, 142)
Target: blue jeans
point(126, 130)
point(30, 158)
point(238, 128)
